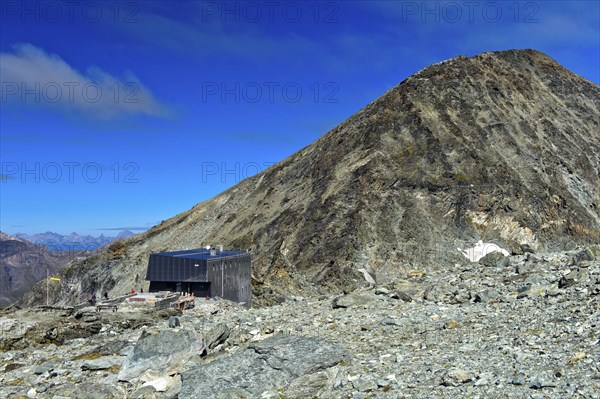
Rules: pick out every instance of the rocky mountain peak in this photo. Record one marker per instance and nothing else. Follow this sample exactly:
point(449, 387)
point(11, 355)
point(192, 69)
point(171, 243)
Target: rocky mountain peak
point(503, 147)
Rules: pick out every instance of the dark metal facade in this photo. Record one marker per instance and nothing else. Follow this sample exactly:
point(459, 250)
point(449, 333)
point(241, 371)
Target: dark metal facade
point(226, 274)
point(230, 278)
point(163, 267)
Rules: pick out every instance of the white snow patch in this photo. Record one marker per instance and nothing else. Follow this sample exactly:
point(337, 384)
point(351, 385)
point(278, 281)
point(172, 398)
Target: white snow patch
point(159, 384)
point(480, 250)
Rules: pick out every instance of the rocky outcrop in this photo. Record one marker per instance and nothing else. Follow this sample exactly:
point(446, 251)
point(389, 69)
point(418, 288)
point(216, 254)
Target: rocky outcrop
point(269, 365)
point(503, 147)
point(159, 352)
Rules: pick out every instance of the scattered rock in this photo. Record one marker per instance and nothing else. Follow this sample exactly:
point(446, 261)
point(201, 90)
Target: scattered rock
point(517, 380)
point(388, 322)
point(364, 384)
point(568, 279)
point(585, 255)
point(103, 363)
point(487, 296)
point(89, 318)
point(174, 322)
point(549, 334)
point(44, 368)
point(495, 259)
point(451, 324)
point(455, 377)
point(398, 294)
point(86, 391)
point(350, 300)
point(438, 293)
point(526, 248)
point(216, 336)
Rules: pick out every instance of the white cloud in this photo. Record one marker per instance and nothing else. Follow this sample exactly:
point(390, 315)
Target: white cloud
point(31, 76)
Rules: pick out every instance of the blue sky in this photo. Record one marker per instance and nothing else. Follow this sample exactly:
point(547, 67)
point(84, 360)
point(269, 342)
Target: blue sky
point(120, 114)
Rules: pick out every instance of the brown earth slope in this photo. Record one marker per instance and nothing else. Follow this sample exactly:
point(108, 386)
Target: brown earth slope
point(503, 147)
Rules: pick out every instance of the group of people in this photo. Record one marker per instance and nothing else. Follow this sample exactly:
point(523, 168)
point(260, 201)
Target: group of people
point(93, 299)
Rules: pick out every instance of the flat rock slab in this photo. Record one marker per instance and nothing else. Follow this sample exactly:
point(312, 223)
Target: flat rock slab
point(103, 363)
point(162, 352)
point(270, 364)
point(352, 300)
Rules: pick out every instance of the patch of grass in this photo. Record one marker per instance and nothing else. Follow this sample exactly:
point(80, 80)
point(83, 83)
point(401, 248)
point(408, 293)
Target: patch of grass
point(16, 382)
point(114, 369)
point(533, 332)
point(117, 249)
point(87, 356)
point(461, 177)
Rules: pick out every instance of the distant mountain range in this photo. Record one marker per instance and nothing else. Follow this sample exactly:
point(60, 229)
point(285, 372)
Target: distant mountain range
point(73, 241)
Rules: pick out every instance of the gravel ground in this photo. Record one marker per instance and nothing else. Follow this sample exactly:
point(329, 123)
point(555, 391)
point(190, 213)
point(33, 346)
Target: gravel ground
point(517, 327)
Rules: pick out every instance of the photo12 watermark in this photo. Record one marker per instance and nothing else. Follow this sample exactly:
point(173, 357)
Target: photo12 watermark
point(72, 11)
point(68, 172)
point(207, 12)
point(269, 12)
point(526, 12)
point(270, 92)
point(231, 172)
point(69, 92)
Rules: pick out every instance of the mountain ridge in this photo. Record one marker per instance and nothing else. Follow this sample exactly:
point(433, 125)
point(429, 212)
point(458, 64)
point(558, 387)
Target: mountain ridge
point(72, 241)
point(22, 264)
point(502, 146)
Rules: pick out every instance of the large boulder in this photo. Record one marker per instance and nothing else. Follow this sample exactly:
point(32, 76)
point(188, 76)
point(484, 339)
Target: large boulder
point(495, 259)
point(162, 352)
point(271, 364)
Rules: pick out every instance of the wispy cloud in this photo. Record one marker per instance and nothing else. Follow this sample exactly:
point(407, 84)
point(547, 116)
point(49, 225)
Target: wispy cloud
point(31, 76)
point(187, 34)
point(194, 38)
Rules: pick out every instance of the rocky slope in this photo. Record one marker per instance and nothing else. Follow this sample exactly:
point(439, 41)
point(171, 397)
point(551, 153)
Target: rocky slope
point(22, 264)
point(523, 326)
point(503, 147)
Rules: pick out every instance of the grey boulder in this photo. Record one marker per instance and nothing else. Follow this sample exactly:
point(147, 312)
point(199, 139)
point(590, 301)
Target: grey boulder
point(271, 364)
point(160, 352)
